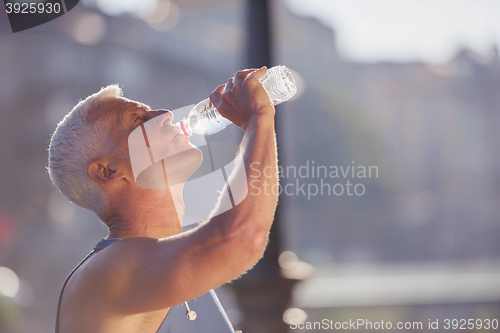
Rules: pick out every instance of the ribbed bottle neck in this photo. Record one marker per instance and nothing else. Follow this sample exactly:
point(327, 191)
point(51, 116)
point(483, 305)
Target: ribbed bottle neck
point(184, 126)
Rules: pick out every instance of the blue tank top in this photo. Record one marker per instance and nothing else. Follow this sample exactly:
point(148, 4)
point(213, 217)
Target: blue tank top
point(210, 315)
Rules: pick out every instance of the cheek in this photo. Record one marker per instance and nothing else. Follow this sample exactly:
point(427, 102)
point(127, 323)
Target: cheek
point(161, 145)
point(155, 134)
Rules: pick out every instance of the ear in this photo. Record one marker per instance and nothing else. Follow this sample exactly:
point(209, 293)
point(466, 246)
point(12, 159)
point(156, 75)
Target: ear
point(104, 170)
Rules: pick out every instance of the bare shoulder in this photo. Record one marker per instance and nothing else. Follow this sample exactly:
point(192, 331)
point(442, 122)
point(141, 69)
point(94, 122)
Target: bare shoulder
point(141, 275)
point(89, 301)
point(120, 269)
point(108, 270)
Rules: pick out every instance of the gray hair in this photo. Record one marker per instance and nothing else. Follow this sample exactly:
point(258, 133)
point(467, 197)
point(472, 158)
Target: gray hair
point(79, 138)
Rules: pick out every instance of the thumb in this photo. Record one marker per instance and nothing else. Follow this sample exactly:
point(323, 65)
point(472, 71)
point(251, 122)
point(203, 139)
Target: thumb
point(258, 73)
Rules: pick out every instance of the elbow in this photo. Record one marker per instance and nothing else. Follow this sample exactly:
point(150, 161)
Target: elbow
point(252, 242)
point(258, 241)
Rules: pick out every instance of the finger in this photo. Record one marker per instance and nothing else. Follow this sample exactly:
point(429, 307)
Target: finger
point(216, 95)
point(229, 84)
point(240, 76)
point(245, 71)
point(258, 73)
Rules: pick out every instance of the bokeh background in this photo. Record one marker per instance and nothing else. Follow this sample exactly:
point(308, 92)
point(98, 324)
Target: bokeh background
point(410, 87)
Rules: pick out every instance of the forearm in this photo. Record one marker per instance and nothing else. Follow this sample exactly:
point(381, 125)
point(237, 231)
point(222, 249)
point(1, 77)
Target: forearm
point(255, 177)
point(243, 217)
point(260, 162)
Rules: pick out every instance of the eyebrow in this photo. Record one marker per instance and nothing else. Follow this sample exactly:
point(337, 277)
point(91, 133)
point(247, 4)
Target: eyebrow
point(131, 109)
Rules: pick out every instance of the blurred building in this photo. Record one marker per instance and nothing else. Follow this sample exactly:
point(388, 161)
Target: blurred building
point(431, 131)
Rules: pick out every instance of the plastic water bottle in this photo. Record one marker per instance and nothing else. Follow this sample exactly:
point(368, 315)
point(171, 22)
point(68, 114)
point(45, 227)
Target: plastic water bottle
point(204, 119)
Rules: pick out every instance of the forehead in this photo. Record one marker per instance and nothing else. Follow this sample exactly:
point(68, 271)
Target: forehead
point(115, 109)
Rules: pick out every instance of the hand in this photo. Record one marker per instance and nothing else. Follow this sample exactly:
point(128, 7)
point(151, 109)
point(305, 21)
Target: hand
point(243, 98)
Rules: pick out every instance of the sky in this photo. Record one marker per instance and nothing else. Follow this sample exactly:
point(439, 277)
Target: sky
point(431, 31)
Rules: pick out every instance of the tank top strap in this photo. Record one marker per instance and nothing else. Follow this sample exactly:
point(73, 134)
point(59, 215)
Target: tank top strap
point(105, 243)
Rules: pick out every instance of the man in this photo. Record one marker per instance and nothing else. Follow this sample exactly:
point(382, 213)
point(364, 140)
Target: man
point(135, 283)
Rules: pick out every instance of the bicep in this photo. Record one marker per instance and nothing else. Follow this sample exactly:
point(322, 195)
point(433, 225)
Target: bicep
point(159, 273)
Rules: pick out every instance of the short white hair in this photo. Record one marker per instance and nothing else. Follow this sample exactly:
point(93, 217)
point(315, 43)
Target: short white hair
point(79, 138)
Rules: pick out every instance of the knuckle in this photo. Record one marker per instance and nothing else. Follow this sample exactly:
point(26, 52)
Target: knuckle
point(226, 97)
point(252, 82)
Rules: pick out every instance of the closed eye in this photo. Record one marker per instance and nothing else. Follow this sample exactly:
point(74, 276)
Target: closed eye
point(137, 121)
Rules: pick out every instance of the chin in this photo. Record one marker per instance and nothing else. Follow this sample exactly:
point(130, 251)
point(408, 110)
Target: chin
point(181, 166)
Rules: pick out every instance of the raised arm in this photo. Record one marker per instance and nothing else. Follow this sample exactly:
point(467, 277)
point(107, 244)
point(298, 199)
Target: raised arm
point(243, 101)
point(155, 274)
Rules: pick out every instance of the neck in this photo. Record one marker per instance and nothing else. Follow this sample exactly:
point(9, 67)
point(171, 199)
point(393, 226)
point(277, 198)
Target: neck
point(147, 213)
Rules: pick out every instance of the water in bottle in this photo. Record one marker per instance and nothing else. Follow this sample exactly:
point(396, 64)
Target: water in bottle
point(204, 119)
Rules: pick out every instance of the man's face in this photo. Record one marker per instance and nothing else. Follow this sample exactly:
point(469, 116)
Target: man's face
point(165, 140)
